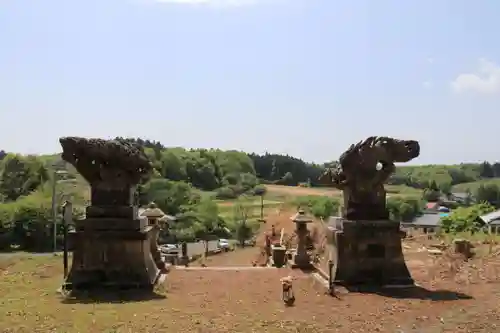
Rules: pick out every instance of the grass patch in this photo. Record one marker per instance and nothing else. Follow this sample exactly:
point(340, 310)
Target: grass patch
point(30, 303)
point(290, 193)
point(403, 190)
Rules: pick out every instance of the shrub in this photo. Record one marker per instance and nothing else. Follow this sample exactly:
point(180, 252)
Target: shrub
point(324, 207)
point(259, 190)
point(466, 219)
point(319, 206)
point(225, 193)
point(404, 209)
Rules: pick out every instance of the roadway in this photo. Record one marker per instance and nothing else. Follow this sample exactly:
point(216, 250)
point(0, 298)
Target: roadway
point(193, 249)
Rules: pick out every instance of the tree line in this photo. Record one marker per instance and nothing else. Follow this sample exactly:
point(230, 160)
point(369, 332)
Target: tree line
point(184, 184)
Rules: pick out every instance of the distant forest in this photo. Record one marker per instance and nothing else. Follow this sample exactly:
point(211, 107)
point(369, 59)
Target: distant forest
point(289, 170)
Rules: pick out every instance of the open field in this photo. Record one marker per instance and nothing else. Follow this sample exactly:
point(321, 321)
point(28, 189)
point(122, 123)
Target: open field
point(473, 186)
point(462, 298)
point(285, 193)
point(253, 207)
point(193, 249)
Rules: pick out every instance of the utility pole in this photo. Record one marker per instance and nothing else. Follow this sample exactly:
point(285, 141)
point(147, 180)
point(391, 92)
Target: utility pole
point(262, 206)
point(67, 220)
point(54, 205)
point(54, 210)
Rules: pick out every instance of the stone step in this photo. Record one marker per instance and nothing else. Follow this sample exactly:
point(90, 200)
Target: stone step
point(223, 268)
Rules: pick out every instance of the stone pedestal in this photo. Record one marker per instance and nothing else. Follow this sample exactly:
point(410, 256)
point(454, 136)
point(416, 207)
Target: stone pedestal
point(113, 253)
point(368, 253)
point(301, 260)
point(112, 247)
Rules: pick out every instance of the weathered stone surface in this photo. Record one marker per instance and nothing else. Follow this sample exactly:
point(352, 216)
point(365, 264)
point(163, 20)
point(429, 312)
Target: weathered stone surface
point(365, 244)
point(111, 247)
point(362, 171)
point(112, 259)
point(369, 253)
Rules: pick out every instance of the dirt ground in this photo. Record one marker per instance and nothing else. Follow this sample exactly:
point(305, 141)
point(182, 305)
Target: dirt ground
point(454, 296)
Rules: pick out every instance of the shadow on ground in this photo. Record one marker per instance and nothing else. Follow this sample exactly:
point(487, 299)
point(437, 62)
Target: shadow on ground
point(103, 296)
point(415, 292)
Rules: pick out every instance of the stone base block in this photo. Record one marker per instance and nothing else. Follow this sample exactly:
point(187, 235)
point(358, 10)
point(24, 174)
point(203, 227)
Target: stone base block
point(368, 253)
point(112, 259)
point(301, 261)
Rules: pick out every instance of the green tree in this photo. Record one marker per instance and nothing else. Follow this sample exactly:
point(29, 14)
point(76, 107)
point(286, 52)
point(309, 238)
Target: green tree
point(496, 169)
point(465, 219)
point(7, 225)
point(324, 207)
point(489, 193)
point(431, 195)
point(259, 190)
point(486, 170)
point(242, 210)
point(171, 197)
point(404, 209)
point(173, 165)
point(445, 188)
point(20, 176)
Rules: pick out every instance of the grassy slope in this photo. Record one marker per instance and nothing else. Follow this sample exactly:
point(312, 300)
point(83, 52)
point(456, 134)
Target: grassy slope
point(473, 186)
point(287, 193)
point(278, 193)
point(438, 173)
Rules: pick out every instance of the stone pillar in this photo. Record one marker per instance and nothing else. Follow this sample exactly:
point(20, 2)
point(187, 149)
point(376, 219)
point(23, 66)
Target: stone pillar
point(113, 248)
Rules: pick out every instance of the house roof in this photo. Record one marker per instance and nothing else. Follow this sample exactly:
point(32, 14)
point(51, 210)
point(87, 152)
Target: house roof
point(426, 220)
point(491, 218)
point(432, 205)
point(146, 212)
point(153, 213)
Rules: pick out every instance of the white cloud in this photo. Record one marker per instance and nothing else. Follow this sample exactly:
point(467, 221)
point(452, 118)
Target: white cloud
point(212, 3)
point(485, 80)
point(427, 84)
point(430, 60)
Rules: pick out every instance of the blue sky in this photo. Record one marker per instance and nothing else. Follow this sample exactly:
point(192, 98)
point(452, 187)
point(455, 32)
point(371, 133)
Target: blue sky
point(304, 77)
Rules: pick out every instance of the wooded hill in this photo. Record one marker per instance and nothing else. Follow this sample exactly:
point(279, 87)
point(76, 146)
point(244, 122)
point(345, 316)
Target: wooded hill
point(185, 182)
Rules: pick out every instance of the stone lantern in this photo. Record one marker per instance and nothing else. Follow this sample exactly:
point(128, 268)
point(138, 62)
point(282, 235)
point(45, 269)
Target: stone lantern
point(153, 214)
point(301, 258)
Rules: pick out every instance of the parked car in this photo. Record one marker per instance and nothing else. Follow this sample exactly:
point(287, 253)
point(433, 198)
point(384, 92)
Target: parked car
point(169, 248)
point(250, 242)
point(223, 244)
